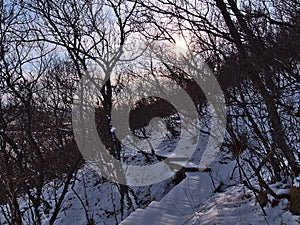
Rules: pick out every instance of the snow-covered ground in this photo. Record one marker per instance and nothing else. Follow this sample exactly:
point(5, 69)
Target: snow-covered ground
point(193, 201)
point(101, 200)
point(184, 200)
point(238, 206)
point(92, 194)
point(214, 197)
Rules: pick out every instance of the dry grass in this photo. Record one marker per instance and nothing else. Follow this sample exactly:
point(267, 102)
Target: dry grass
point(262, 197)
point(295, 200)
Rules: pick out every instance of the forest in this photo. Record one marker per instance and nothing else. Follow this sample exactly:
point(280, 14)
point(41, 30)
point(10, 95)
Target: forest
point(64, 62)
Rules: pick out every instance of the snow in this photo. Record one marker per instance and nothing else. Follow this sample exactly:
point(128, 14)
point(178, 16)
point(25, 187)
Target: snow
point(195, 201)
point(297, 182)
point(101, 199)
point(177, 206)
point(206, 198)
point(112, 130)
point(238, 206)
point(184, 200)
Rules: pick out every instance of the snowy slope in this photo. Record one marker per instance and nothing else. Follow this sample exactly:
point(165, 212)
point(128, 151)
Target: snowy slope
point(195, 202)
point(184, 200)
point(238, 206)
point(192, 203)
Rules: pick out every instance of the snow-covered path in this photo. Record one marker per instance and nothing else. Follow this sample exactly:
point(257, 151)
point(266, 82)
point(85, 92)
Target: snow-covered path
point(194, 202)
point(178, 206)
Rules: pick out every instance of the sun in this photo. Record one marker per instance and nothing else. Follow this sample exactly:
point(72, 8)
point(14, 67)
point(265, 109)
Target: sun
point(181, 46)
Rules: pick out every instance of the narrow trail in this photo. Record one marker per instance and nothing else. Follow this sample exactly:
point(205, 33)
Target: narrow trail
point(178, 206)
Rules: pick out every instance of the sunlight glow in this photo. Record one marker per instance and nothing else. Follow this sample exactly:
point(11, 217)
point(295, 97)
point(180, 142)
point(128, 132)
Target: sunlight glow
point(181, 46)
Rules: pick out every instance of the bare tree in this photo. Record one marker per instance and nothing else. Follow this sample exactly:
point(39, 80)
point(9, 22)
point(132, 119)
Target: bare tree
point(90, 32)
point(243, 43)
